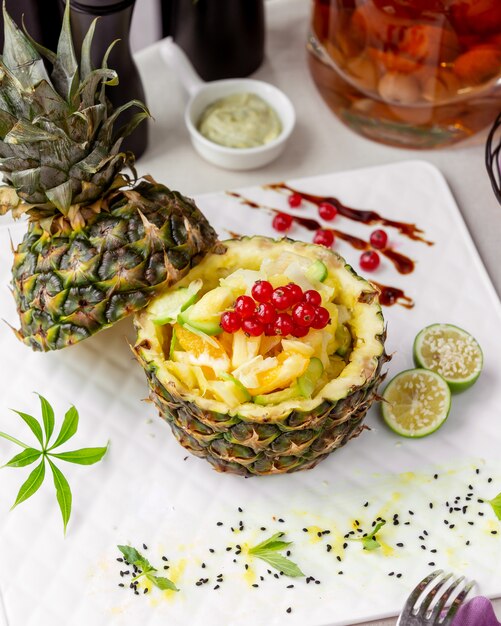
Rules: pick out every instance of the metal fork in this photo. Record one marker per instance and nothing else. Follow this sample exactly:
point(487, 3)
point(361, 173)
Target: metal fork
point(432, 609)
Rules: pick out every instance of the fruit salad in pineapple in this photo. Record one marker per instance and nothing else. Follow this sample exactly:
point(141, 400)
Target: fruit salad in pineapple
point(265, 357)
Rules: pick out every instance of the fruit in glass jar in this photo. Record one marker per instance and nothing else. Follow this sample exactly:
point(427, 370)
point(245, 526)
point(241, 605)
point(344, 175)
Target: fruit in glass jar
point(399, 88)
point(478, 65)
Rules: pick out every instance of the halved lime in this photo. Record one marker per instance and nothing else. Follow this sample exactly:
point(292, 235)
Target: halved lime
point(451, 352)
point(416, 403)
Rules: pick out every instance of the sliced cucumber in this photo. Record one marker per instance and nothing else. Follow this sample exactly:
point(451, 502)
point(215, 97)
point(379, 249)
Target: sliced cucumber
point(226, 391)
point(343, 339)
point(317, 271)
point(277, 396)
point(244, 391)
point(206, 327)
point(308, 381)
point(166, 308)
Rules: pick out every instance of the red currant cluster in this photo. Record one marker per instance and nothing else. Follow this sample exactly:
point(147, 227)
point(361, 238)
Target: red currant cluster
point(282, 311)
point(369, 260)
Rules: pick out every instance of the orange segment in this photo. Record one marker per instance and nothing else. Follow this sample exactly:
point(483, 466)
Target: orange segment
point(289, 368)
point(196, 345)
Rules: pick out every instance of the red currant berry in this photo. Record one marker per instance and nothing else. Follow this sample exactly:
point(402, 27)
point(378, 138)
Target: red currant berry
point(312, 297)
point(283, 324)
point(369, 261)
point(300, 331)
point(303, 314)
point(265, 313)
point(324, 237)
point(253, 327)
point(230, 321)
point(245, 307)
point(321, 319)
point(295, 292)
point(262, 290)
point(295, 200)
point(269, 330)
point(282, 222)
point(281, 299)
point(379, 239)
point(327, 211)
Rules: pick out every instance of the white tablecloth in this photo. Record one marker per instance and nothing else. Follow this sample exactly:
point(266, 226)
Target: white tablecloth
point(320, 143)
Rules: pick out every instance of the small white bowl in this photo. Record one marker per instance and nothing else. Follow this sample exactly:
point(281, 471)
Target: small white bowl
point(203, 94)
point(239, 158)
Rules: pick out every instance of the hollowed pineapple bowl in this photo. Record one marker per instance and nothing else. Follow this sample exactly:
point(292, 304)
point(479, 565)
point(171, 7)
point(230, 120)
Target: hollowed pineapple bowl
point(271, 403)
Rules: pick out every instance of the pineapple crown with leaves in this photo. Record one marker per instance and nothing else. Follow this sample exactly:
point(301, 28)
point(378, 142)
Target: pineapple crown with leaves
point(59, 150)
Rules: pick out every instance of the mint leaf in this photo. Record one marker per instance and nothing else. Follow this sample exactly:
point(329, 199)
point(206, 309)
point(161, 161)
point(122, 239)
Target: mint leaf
point(26, 457)
point(31, 485)
point(370, 542)
point(161, 582)
point(63, 493)
point(272, 543)
point(134, 557)
point(268, 550)
point(279, 562)
point(35, 427)
point(69, 427)
point(48, 418)
point(496, 505)
point(84, 456)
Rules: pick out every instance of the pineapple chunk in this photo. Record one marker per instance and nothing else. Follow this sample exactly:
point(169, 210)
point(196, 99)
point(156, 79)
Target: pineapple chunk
point(244, 348)
point(248, 372)
point(204, 359)
point(268, 343)
point(241, 281)
point(184, 373)
point(289, 368)
point(228, 392)
point(297, 347)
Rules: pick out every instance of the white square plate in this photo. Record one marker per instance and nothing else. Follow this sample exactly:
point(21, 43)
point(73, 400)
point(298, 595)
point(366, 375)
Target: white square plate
point(147, 490)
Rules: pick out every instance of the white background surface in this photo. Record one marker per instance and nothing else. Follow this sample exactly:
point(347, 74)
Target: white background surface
point(148, 490)
point(320, 144)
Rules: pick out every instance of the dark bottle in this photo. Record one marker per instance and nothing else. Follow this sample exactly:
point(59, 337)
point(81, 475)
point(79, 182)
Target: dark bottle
point(222, 38)
point(42, 20)
point(114, 23)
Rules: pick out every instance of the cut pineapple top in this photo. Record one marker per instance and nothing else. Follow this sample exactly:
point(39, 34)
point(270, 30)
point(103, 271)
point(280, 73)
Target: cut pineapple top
point(268, 374)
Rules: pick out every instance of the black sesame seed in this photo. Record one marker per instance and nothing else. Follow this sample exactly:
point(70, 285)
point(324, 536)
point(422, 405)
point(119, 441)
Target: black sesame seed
point(468, 542)
point(430, 505)
point(391, 574)
point(339, 558)
point(228, 549)
point(121, 585)
point(431, 563)
point(480, 513)
point(166, 566)
point(345, 545)
point(219, 524)
point(477, 471)
point(421, 537)
point(480, 501)
point(465, 508)
point(340, 573)
point(411, 512)
point(400, 545)
point(290, 586)
point(407, 523)
point(399, 575)
point(470, 487)
point(435, 476)
point(452, 525)
point(203, 565)
point(120, 560)
point(240, 510)
point(211, 550)
point(216, 587)
point(281, 520)
point(263, 527)
point(319, 534)
point(423, 547)
point(489, 480)
point(145, 590)
point(145, 547)
point(317, 582)
point(247, 566)
point(289, 610)
point(434, 550)
point(328, 547)
point(276, 575)
point(471, 523)
point(494, 532)
point(305, 530)
point(366, 504)
point(261, 578)
point(288, 553)
point(164, 558)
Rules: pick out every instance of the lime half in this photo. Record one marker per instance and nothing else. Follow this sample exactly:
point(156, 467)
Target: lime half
point(416, 403)
point(451, 352)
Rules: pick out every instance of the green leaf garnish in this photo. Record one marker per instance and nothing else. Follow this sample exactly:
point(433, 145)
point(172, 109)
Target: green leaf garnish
point(84, 456)
point(496, 505)
point(133, 557)
point(268, 550)
point(369, 542)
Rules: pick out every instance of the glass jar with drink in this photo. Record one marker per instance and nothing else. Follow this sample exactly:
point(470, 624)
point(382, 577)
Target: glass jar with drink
point(410, 73)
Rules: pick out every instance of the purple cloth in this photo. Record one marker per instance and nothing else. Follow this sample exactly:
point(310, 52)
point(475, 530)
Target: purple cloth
point(476, 612)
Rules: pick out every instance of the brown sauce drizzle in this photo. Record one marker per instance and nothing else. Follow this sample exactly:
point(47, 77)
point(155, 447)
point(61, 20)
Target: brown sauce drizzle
point(358, 215)
point(389, 296)
point(402, 263)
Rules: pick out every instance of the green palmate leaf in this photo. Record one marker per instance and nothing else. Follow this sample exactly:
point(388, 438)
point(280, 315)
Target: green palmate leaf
point(69, 427)
point(32, 484)
point(496, 505)
point(279, 562)
point(84, 456)
point(47, 417)
point(26, 457)
point(63, 493)
point(161, 582)
point(33, 424)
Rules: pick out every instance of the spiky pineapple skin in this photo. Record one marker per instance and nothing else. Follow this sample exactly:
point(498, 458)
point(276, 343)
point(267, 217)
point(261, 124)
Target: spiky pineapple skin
point(69, 285)
point(252, 442)
point(298, 441)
